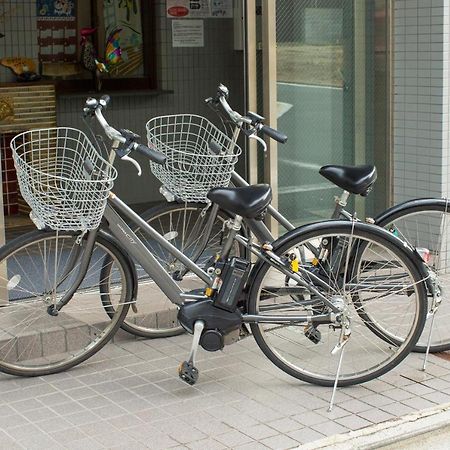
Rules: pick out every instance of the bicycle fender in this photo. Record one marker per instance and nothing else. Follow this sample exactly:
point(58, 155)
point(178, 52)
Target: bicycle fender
point(384, 218)
point(108, 237)
point(317, 226)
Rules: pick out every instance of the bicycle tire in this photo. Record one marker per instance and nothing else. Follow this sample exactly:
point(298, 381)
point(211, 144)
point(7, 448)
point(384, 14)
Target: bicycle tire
point(153, 320)
point(424, 223)
point(301, 357)
point(35, 343)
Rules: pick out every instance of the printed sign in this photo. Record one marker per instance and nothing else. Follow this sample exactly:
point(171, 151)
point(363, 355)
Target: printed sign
point(187, 33)
point(189, 9)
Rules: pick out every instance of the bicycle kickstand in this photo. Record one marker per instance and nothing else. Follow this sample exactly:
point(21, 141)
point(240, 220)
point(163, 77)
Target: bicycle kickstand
point(436, 302)
point(187, 370)
point(340, 347)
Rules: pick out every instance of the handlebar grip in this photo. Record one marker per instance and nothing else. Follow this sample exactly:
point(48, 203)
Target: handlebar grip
point(104, 100)
point(274, 134)
point(153, 155)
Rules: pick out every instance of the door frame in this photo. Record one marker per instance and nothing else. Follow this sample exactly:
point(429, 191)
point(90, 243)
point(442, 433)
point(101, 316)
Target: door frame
point(383, 159)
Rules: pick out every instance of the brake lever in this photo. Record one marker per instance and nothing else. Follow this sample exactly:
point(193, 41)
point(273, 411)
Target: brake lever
point(260, 140)
point(134, 162)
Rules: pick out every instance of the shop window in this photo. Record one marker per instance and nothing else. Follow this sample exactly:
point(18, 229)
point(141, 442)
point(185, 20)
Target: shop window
point(101, 44)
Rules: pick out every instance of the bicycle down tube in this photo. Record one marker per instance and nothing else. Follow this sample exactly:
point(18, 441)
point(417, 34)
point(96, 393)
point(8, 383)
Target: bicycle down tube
point(123, 233)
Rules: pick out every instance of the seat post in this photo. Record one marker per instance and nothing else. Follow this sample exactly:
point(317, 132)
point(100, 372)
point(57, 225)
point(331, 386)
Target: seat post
point(341, 203)
point(234, 225)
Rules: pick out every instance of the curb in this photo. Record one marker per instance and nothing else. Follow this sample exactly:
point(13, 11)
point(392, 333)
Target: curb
point(386, 433)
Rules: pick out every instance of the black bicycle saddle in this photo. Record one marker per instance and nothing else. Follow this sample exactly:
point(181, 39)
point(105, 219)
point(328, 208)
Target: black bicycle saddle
point(249, 201)
point(354, 179)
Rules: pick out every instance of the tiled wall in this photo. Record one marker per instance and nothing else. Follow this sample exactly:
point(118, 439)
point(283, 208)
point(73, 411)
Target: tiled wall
point(18, 24)
point(9, 177)
point(421, 106)
point(188, 75)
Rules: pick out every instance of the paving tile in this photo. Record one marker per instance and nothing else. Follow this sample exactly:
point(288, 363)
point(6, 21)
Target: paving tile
point(182, 432)
point(398, 394)
point(376, 415)
point(39, 441)
point(437, 397)
point(330, 428)
point(233, 438)
point(54, 425)
point(418, 403)
point(309, 418)
point(36, 415)
point(355, 406)
point(353, 422)
point(152, 414)
point(378, 400)
point(284, 425)
point(26, 405)
point(126, 421)
point(82, 418)
point(70, 407)
point(335, 413)
point(211, 425)
point(280, 442)
point(305, 435)
point(13, 420)
point(68, 435)
point(397, 409)
point(260, 431)
point(418, 389)
point(251, 446)
point(114, 438)
point(22, 431)
point(107, 412)
point(85, 444)
point(79, 393)
point(97, 428)
point(210, 444)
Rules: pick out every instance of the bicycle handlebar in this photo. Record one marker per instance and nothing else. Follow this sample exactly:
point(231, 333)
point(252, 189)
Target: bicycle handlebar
point(153, 155)
point(117, 136)
point(274, 134)
point(254, 120)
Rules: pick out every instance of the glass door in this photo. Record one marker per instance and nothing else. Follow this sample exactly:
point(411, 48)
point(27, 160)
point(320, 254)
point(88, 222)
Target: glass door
point(330, 64)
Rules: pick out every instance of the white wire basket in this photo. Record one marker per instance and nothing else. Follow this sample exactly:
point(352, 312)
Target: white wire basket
point(191, 168)
point(62, 177)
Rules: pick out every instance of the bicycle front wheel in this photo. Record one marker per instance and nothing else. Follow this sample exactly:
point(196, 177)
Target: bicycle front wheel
point(388, 285)
point(35, 272)
point(424, 225)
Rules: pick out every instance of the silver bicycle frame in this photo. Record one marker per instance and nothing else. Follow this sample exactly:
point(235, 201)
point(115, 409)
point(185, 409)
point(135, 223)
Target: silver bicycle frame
point(136, 248)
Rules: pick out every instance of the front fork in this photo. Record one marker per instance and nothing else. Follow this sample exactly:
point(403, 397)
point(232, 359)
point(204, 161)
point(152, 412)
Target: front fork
point(83, 254)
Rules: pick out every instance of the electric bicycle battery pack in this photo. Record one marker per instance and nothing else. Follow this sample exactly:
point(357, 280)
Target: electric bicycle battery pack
point(234, 276)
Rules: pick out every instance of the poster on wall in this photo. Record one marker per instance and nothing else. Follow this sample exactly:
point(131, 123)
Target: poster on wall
point(204, 9)
point(57, 31)
point(124, 51)
point(188, 33)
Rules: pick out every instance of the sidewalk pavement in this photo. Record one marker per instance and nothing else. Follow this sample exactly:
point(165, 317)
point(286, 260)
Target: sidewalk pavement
point(129, 396)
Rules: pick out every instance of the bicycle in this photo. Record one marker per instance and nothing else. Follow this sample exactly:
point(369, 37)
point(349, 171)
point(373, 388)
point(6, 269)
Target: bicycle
point(421, 223)
point(289, 295)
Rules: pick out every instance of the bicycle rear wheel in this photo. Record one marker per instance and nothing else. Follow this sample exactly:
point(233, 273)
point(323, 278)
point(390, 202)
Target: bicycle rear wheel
point(393, 292)
point(424, 224)
point(183, 224)
point(35, 272)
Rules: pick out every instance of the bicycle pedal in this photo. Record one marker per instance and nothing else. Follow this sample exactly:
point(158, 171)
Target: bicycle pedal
point(188, 373)
point(313, 334)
